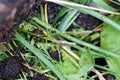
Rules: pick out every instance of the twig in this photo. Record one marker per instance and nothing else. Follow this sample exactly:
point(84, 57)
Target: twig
point(101, 74)
point(38, 71)
point(70, 52)
point(98, 74)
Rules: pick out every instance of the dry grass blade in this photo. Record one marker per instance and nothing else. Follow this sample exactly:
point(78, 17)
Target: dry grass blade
point(82, 6)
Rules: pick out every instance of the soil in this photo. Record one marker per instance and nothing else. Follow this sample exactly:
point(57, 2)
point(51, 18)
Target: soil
point(36, 9)
point(53, 10)
point(87, 21)
point(100, 61)
point(9, 68)
point(54, 54)
point(37, 31)
point(38, 77)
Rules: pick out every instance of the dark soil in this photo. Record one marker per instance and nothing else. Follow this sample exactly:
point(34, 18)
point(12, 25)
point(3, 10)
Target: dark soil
point(55, 54)
point(37, 31)
point(36, 9)
point(87, 21)
point(53, 10)
point(9, 68)
point(38, 77)
point(100, 61)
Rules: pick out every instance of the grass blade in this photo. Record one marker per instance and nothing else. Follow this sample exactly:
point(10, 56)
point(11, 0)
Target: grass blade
point(90, 11)
point(106, 53)
point(39, 55)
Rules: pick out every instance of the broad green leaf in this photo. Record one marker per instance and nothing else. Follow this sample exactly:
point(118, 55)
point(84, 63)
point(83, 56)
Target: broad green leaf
point(81, 75)
point(110, 40)
point(67, 68)
point(86, 59)
point(110, 37)
point(86, 63)
point(73, 77)
point(84, 70)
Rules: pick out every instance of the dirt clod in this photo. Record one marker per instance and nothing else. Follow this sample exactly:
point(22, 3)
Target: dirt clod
point(9, 68)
